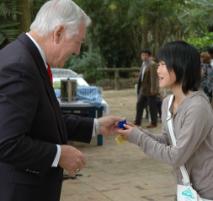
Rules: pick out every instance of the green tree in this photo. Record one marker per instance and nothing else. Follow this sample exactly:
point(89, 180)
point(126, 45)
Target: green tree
point(24, 8)
point(121, 28)
point(16, 16)
point(9, 18)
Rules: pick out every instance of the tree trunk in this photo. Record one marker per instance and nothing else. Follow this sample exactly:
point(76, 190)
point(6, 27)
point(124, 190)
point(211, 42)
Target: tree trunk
point(25, 14)
point(145, 39)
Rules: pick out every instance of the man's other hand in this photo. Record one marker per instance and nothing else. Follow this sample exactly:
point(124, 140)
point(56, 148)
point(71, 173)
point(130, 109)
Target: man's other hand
point(71, 159)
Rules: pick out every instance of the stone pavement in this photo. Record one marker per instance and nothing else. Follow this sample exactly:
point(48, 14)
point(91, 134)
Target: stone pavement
point(119, 173)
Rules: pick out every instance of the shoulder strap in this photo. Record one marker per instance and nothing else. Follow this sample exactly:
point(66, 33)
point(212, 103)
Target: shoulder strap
point(183, 170)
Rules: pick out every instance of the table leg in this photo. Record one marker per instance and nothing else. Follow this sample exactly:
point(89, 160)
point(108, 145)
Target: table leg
point(99, 140)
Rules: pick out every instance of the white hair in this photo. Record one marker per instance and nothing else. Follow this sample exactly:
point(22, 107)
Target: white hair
point(55, 13)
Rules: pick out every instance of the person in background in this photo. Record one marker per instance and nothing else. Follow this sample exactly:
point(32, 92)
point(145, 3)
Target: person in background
point(207, 74)
point(147, 89)
point(33, 132)
point(192, 119)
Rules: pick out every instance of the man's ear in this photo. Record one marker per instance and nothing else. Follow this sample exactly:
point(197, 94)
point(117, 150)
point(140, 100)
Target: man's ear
point(58, 34)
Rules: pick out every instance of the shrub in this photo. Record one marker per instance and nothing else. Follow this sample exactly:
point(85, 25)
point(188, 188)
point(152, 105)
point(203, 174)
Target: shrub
point(88, 64)
point(202, 43)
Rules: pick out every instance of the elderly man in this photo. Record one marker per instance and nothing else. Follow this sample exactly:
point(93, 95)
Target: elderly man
point(33, 150)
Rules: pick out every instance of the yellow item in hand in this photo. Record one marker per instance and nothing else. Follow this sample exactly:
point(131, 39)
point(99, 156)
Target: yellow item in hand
point(120, 139)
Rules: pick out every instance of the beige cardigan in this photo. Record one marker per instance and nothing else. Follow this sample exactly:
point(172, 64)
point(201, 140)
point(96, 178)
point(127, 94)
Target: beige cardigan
point(193, 128)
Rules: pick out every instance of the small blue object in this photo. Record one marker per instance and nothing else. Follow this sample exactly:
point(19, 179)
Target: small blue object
point(121, 124)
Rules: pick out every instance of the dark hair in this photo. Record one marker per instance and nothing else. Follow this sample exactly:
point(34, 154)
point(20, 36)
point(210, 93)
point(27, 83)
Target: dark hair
point(184, 60)
point(147, 51)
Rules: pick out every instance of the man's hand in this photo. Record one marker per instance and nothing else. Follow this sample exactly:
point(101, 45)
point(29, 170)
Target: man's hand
point(71, 159)
point(108, 124)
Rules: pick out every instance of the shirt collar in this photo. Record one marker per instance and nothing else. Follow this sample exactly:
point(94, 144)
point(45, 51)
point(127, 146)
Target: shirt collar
point(39, 49)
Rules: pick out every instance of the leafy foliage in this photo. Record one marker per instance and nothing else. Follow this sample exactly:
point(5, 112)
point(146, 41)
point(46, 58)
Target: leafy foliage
point(121, 28)
point(9, 16)
point(202, 43)
point(88, 64)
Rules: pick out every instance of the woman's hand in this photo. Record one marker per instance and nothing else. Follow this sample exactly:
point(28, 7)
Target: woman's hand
point(127, 131)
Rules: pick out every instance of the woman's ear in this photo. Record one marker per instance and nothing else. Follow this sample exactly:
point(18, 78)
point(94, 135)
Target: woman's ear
point(58, 34)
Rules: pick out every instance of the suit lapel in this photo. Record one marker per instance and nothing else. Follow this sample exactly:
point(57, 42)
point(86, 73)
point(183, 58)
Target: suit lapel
point(46, 80)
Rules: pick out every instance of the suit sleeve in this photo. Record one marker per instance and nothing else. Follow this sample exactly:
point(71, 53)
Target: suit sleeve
point(18, 105)
point(79, 128)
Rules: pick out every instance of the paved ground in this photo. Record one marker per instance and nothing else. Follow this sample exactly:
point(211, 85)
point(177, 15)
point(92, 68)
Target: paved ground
point(120, 172)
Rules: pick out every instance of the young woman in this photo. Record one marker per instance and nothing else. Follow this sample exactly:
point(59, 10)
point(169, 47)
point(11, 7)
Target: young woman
point(179, 70)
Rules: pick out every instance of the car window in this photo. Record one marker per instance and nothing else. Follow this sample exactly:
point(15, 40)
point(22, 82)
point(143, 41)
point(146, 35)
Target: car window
point(63, 73)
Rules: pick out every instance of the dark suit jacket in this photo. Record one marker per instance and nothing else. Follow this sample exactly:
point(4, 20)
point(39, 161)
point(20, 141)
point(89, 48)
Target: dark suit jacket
point(149, 85)
point(31, 124)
